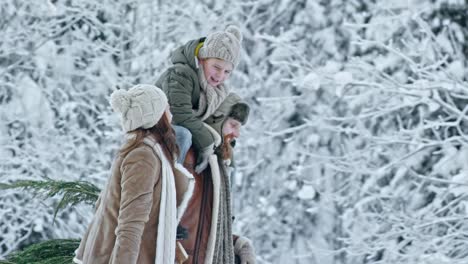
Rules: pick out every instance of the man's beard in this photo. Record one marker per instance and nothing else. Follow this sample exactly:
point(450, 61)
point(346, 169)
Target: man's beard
point(226, 148)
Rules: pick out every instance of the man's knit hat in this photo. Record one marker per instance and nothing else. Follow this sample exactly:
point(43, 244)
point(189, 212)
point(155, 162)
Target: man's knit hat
point(240, 112)
point(141, 106)
point(223, 45)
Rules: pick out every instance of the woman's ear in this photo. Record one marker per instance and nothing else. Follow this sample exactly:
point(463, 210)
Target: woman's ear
point(168, 115)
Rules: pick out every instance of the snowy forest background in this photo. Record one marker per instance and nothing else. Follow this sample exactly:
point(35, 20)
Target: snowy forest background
point(356, 150)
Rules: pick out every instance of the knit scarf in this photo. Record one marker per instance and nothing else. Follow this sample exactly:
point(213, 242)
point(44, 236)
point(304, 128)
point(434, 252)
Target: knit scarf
point(223, 249)
point(167, 226)
point(210, 97)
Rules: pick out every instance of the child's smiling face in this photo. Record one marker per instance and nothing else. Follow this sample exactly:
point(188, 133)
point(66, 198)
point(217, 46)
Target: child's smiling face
point(216, 70)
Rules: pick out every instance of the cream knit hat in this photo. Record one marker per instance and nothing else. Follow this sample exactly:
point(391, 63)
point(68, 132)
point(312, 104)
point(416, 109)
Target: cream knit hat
point(223, 45)
point(141, 106)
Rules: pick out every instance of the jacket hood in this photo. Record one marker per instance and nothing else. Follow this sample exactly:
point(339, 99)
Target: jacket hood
point(232, 106)
point(185, 54)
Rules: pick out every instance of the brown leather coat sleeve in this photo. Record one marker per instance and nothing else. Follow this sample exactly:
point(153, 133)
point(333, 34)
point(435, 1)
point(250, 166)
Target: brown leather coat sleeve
point(140, 172)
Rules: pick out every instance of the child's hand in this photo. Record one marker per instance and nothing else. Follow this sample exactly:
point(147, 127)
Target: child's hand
point(204, 158)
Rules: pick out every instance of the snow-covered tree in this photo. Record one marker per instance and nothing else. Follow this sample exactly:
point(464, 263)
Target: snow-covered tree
point(367, 150)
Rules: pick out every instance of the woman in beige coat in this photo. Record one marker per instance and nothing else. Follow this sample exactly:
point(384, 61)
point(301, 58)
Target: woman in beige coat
point(138, 211)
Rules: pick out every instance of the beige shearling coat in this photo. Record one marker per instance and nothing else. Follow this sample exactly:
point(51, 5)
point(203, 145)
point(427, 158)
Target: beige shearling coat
point(125, 225)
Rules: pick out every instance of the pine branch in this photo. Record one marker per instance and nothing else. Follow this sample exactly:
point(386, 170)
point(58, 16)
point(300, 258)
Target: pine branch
point(55, 251)
point(74, 192)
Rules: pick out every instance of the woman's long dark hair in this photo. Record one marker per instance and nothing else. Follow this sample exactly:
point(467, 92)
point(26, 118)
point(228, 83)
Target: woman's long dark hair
point(162, 132)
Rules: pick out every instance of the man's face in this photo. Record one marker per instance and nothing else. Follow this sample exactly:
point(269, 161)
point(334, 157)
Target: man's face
point(216, 70)
point(232, 127)
point(231, 131)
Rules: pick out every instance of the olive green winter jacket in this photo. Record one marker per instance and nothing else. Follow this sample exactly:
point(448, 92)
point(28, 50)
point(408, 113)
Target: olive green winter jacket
point(182, 86)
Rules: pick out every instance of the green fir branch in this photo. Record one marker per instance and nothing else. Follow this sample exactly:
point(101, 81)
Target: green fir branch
point(73, 192)
point(56, 251)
